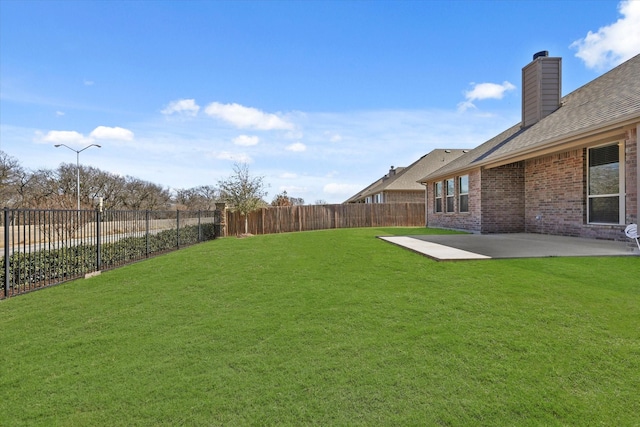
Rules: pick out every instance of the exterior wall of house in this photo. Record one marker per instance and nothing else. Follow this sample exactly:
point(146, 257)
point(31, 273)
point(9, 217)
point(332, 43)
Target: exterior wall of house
point(468, 221)
point(416, 196)
point(632, 157)
point(546, 195)
point(502, 198)
point(555, 193)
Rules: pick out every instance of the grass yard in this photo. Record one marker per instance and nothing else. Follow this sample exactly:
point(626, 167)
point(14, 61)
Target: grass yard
point(327, 328)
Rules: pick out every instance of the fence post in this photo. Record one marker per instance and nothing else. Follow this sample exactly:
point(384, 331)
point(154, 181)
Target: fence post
point(220, 220)
point(98, 238)
point(199, 228)
point(146, 220)
point(6, 252)
point(178, 229)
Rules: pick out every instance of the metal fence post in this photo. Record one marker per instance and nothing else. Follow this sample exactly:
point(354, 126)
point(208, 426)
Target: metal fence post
point(6, 252)
point(147, 232)
point(98, 245)
point(178, 229)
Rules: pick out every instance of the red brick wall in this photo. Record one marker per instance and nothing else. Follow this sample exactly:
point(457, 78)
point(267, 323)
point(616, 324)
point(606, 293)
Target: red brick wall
point(404, 196)
point(555, 194)
point(631, 170)
point(503, 199)
point(469, 221)
point(545, 195)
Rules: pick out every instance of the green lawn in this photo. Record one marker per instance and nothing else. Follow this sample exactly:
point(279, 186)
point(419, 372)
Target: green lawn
point(327, 328)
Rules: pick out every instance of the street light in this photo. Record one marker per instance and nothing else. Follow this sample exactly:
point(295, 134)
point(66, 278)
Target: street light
point(77, 164)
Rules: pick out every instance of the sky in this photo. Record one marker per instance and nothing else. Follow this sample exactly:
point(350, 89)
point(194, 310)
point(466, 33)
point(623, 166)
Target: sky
point(319, 98)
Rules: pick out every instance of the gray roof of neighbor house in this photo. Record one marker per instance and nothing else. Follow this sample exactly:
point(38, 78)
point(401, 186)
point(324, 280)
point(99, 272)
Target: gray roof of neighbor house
point(362, 194)
point(604, 104)
point(406, 179)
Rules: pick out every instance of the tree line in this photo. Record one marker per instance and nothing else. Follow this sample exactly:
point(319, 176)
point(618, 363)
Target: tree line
point(57, 189)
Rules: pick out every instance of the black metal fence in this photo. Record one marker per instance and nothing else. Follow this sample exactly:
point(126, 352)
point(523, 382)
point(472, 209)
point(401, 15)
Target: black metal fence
point(47, 247)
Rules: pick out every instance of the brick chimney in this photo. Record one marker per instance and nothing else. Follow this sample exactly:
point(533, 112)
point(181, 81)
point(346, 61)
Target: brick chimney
point(541, 88)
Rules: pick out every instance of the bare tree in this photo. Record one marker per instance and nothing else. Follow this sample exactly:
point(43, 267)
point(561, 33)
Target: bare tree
point(283, 199)
point(202, 198)
point(297, 201)
point(242, 192)
point(41, 189)
point(11, 174)
point(141, 195)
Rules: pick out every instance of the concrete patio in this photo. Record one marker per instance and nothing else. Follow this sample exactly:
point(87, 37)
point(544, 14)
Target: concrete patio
point(452, 247)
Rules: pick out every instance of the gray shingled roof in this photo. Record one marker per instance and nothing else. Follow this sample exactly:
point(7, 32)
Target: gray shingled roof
point(406, 179)
point(466, 161)
point(611, 99)
point(367, 190)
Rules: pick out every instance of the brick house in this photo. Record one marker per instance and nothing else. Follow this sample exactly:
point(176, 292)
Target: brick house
point(569, 168)
point(401, 185)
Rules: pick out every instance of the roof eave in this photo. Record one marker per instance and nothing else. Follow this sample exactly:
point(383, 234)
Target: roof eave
point(580, 138)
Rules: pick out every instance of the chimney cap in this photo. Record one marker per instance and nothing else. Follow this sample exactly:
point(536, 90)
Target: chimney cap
point(541, 54)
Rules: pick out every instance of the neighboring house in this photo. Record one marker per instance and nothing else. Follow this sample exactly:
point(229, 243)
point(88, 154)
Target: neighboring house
point(570, 168)
point(401, 185)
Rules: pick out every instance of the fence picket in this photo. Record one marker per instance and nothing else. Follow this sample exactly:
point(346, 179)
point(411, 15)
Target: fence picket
point(281, 219)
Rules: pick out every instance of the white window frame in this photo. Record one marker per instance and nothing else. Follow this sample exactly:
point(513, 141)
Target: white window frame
point(621, 181)
point(438, 198)
point(460, 193)
point(450, 196)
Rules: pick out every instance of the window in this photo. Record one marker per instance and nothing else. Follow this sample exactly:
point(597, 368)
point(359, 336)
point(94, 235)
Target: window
point(605, 185)
point(450, 194)
point(463, 193)
point(378, 198)
point(438, 191)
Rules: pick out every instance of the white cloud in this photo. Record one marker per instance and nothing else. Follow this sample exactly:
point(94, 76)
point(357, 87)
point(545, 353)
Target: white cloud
point(246, 140)
point(612, 44)
point(297, 147)
point(112, 133)
point(247, 117)
point(185, 107)
point(288, 175)
point(70, 137)
point(88, 82)
point(341, 189)
point(234, 157)
point(59, 113)
point(482, 91)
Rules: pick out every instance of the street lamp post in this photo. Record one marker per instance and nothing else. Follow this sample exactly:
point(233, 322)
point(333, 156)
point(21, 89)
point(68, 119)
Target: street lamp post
point(77, 165)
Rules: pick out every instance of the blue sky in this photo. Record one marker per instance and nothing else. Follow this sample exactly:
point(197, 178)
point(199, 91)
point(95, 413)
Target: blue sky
point(318, 97)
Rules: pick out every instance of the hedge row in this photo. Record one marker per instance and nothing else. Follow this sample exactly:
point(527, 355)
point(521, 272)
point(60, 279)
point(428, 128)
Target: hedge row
point(28, 271)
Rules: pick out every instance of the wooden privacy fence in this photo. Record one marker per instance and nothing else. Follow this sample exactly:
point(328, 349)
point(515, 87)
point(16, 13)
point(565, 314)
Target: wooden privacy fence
point(286, 219)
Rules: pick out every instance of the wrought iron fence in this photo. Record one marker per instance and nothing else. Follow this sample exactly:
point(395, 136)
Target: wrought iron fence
point(47, 247)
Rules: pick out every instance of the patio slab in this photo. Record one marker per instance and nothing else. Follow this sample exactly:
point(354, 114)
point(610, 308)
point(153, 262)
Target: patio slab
point(450, 247)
